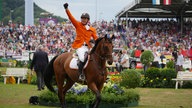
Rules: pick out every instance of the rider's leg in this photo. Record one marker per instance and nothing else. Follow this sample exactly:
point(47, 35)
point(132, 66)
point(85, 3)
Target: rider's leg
point(81, 52)
point(80, 66)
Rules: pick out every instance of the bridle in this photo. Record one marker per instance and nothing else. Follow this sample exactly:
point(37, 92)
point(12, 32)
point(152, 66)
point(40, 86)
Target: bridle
point(102, 58)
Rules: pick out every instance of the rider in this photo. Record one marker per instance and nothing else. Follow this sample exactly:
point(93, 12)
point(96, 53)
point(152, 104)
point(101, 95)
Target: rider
point(84, 32)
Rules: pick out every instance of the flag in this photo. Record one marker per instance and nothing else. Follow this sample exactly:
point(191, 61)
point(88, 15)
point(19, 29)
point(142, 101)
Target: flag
point(156, 2)
point(166, 2)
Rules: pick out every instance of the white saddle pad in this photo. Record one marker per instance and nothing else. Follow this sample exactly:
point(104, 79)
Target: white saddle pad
point(74, 61)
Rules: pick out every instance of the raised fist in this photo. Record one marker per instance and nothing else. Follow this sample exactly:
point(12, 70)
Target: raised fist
point(65, 5)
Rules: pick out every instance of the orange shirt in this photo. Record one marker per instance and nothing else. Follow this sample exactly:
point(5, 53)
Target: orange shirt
point(82, 34)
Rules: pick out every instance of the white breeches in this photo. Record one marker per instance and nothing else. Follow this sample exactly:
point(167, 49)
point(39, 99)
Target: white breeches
point(81, 52)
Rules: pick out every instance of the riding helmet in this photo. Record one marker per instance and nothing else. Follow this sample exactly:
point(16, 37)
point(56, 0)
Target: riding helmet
point(85, 15)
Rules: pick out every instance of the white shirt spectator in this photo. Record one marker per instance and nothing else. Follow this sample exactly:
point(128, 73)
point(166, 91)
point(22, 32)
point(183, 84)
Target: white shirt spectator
point(180, 60)
point(124, 59)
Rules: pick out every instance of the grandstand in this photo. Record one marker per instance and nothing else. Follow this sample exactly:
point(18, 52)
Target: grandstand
point(178, 9)
point(146, 9)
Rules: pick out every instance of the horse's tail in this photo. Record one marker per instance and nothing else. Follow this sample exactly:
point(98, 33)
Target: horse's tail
point(48, 75)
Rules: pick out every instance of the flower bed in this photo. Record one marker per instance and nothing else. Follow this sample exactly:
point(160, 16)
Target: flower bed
point(82, 97)
point(113, 73)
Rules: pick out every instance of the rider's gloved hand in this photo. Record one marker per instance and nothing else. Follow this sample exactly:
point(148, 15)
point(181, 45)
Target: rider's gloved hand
point(65, 5)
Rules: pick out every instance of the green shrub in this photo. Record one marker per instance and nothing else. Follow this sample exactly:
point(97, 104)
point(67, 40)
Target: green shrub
point(84, 98)
point(170, 64)
point(48, 97)
point(87, 98)
point(130, 78)
point(127, 97)
point(152, 72)
point(166, 75)
point(140, 71)
point(158, 78)
point(187, 85)
point(151, 78)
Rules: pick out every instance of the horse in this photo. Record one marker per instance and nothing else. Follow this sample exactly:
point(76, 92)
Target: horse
point(95, 71)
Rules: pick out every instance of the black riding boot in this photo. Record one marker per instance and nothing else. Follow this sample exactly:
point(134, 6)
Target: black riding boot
point(81, 65)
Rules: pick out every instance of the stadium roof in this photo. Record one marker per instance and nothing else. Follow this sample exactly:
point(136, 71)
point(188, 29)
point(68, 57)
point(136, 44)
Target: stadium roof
point(145, 9)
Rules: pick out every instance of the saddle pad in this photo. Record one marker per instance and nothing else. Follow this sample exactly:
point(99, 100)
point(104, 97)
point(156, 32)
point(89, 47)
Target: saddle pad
point(74, 61)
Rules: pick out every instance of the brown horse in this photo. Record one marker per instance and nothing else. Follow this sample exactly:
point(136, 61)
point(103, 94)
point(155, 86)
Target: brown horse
point(95, 72)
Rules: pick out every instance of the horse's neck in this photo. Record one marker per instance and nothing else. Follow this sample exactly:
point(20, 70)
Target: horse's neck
point(97, 58)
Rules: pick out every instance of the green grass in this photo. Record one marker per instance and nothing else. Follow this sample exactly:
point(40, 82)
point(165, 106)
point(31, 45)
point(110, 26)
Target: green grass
point(17, 96)
point(165, 98)
point(14, 95)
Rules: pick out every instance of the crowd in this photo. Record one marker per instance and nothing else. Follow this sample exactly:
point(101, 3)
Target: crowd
point(144, 34)
point(15, 38)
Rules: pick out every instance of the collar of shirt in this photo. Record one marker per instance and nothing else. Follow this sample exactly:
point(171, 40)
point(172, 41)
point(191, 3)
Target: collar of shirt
point(87, 27)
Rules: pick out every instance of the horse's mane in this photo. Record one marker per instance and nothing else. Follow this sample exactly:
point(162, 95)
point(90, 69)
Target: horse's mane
point(96, 43)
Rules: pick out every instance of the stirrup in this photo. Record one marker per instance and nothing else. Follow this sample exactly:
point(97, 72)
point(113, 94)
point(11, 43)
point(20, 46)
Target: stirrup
point(82, 77)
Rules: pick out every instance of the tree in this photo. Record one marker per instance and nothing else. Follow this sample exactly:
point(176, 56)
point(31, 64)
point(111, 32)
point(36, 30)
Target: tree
point(146, 59)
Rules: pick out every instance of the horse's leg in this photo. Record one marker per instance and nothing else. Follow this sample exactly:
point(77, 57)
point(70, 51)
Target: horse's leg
point(62, 90)
point(68, 85)
point(97, 93)
point(60, 82)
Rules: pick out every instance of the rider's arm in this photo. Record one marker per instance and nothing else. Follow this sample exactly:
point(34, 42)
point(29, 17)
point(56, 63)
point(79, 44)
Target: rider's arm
point(94, 35)
point(72, 19)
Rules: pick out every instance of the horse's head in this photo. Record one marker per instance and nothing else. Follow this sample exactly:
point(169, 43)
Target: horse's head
point(107, 49)
point(103, 49)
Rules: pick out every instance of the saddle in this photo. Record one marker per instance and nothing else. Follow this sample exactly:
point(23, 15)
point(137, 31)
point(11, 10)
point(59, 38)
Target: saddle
point(74, 61)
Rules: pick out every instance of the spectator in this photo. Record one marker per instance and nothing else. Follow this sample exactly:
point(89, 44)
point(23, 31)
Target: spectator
point(124, 60)
point(190, 54)
point(116, 59)
point(180, 62)
point(163, 60)
point(183, 51)
point(137, 53)
point(39, 62)
point(155, 63)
